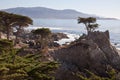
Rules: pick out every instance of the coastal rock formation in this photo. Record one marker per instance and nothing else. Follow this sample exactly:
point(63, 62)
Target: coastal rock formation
point(58, 36)
point(92, 52)
point(103, 42)
point(30, 39)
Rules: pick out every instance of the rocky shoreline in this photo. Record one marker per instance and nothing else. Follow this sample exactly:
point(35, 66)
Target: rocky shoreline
point(36, 55)
point(93, 52)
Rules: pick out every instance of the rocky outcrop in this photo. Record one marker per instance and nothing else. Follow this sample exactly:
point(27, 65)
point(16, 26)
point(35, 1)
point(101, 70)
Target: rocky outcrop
point(103, 42)
point(31, 40)
point(93, 52)
point(58, 36)
point(53, 44)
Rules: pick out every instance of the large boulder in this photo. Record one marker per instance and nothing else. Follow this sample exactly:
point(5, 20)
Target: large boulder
point(93, 52)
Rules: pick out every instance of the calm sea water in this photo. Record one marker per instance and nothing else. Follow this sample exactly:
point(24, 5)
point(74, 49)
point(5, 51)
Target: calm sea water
point(71, 26)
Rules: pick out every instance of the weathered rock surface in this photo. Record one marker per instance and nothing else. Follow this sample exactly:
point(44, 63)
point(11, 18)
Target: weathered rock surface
point(93, 52)
point(103, 42)
point(54, 44)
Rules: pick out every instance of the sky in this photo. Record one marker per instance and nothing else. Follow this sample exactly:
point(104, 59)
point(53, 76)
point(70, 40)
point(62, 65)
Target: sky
point(105, 8)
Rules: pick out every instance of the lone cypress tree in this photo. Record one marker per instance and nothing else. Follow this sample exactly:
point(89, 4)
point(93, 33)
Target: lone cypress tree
point(90, 23)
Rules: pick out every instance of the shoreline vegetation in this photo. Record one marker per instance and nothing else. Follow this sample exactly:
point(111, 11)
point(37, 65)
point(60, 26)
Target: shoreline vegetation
point(36, 55)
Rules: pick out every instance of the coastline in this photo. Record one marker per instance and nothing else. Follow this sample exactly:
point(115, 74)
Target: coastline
point(71, 37)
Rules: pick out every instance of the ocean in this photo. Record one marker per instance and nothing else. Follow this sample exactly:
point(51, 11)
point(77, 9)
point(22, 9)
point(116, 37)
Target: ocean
point(73, 29)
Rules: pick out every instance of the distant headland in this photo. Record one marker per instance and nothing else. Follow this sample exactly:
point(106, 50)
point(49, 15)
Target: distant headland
point(48, 13)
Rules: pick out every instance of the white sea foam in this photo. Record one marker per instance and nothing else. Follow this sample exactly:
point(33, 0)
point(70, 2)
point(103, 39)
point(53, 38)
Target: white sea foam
point(36, 27)
point(71, 37)
point(118, 48)
point(116, 45)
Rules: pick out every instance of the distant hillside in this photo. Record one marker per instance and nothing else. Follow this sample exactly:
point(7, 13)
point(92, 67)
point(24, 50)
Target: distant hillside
point(42, 12)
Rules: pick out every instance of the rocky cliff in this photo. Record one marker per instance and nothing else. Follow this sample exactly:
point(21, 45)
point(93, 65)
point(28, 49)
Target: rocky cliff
point(92, 52)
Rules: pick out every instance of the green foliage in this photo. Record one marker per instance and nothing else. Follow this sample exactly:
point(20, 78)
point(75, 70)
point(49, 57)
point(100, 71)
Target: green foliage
point(20, 23)
point(43, 35)
point(6, 21)
point(112, 74)
point(5, 45)
point(38, 70)
point(93, 76)
point(43, 71)
point(10, 68)
point(10, 20)
point(29, 67)
point(89, 22)
point(43, 32)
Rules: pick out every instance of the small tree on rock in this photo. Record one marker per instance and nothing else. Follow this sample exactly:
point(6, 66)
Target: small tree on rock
point(43, 35)
point(90, 23)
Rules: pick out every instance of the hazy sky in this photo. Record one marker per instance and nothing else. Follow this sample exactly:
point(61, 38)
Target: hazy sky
point(106, 8)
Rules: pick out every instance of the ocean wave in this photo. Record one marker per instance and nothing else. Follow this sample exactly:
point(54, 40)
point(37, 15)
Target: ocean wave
point(71, 37)
point(36, 27)
point(118, 48)
point(75, 35)
point(116, 44)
